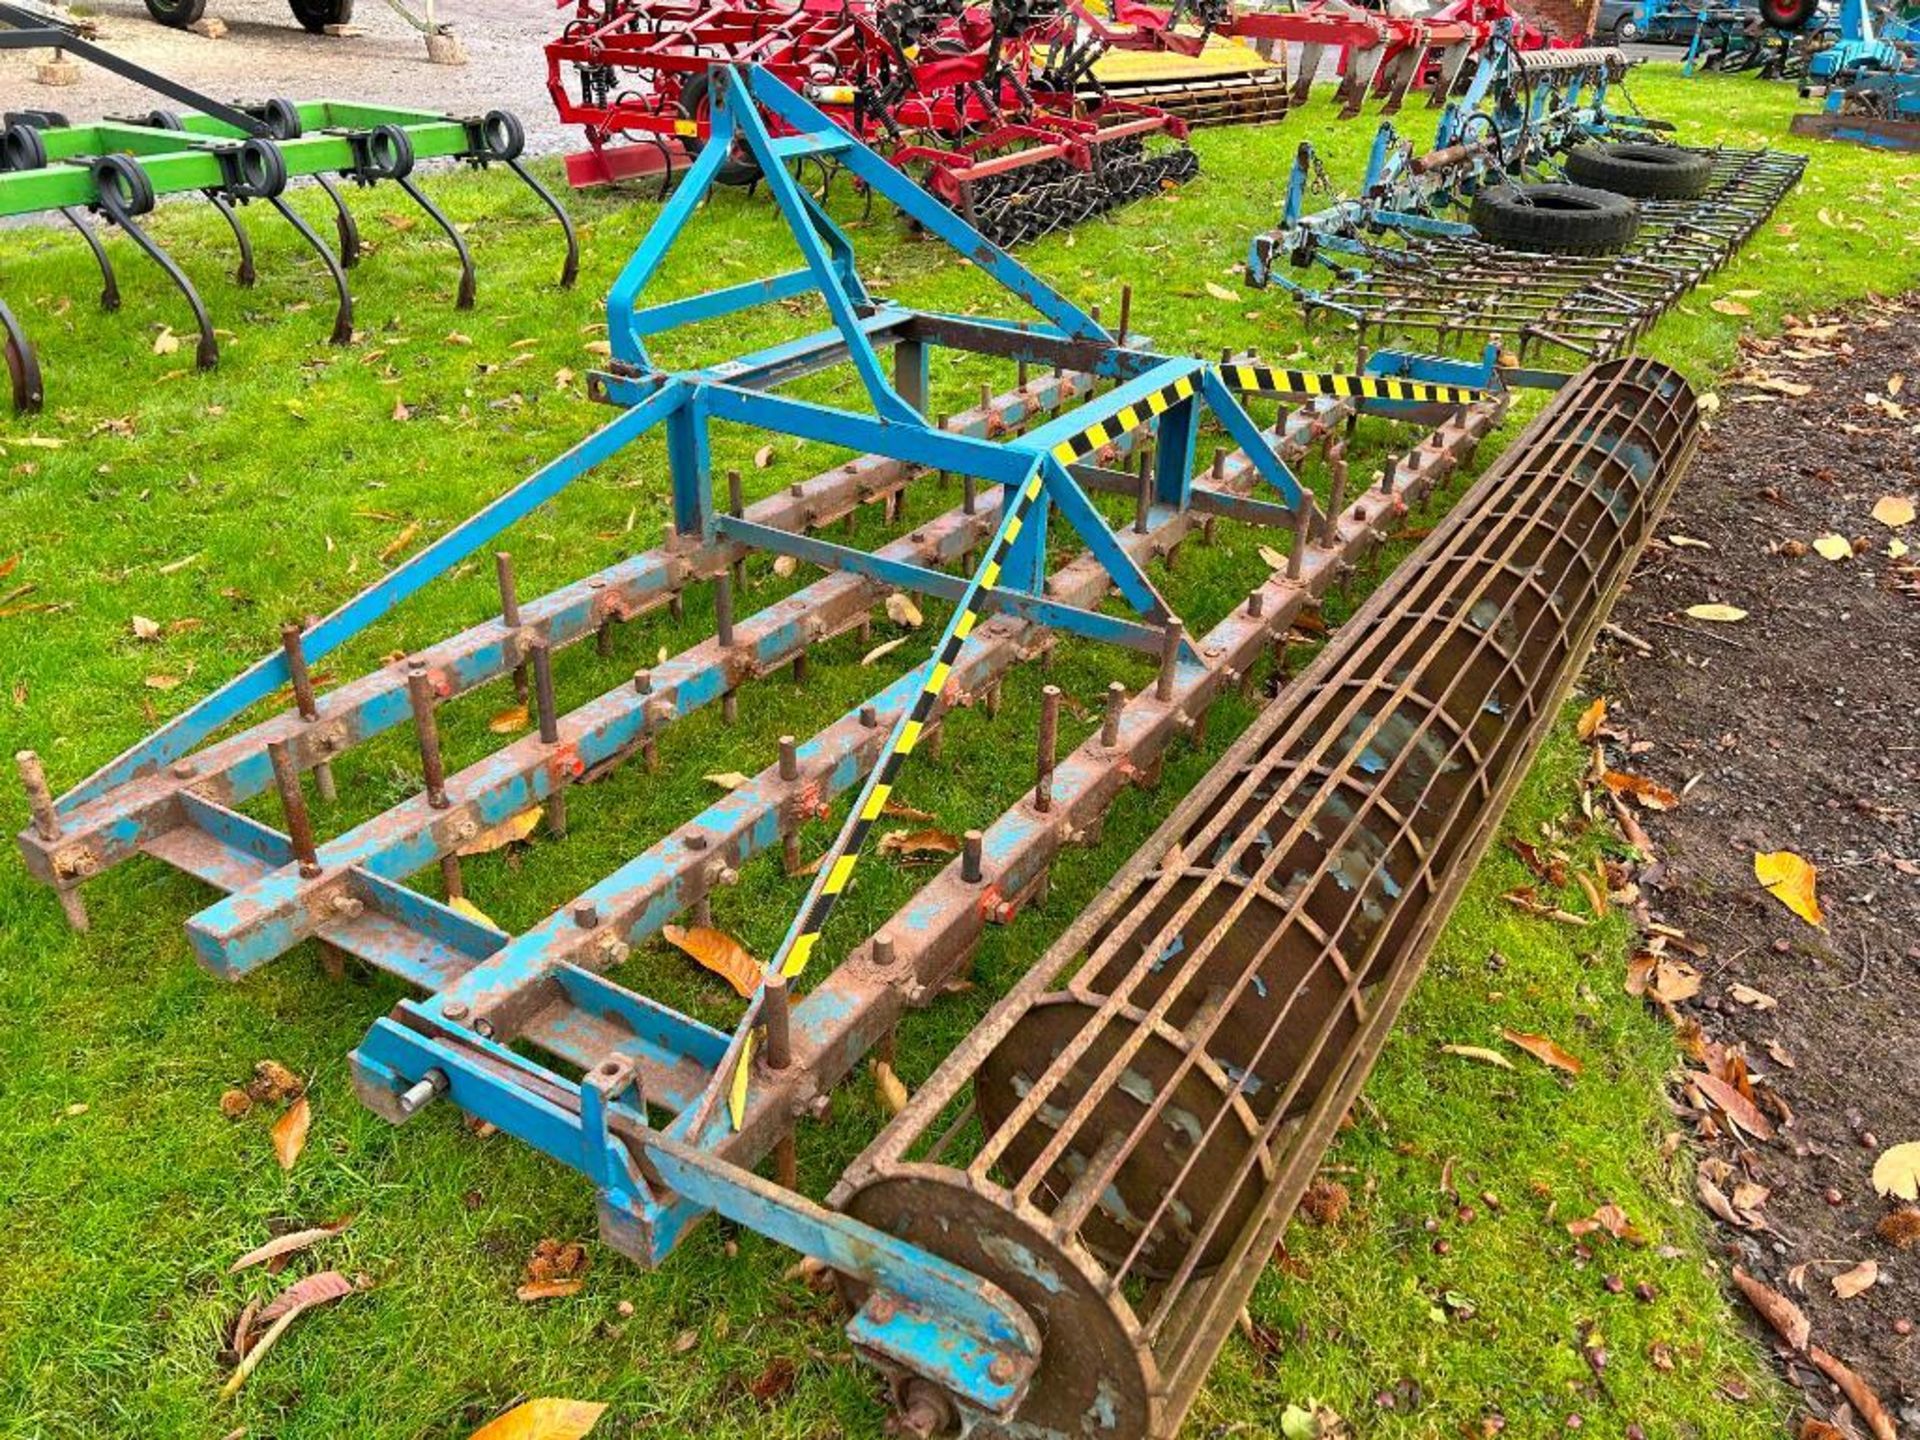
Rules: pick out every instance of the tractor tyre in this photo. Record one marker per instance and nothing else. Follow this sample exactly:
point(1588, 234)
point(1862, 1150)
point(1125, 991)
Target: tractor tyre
point(316, 15)
point(1645, 172)
point(1556, 219)
point(735, 169)
point(177, 13)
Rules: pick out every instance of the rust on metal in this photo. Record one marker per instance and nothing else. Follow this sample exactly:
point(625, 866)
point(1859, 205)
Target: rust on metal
point(1122, 1140)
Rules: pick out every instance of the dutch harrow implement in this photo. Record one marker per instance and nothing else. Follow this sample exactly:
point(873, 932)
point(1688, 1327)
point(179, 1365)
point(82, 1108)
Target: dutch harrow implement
point(539, 1032)
point(117, 171)
point(1416, 251)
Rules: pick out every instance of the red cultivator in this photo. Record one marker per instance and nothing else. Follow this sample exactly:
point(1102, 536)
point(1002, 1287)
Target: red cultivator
point(1004, 109)
point(979, 104)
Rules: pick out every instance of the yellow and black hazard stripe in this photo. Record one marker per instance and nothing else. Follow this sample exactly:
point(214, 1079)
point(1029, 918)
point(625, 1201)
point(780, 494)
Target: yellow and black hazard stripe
point(1077, 448)
point(836, 871)
point(1264, 380)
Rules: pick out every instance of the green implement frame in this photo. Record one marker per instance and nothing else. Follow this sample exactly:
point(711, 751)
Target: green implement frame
point(232, 156)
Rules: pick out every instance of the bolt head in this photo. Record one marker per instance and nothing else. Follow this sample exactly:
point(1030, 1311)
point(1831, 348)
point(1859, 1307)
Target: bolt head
point(454, 1010)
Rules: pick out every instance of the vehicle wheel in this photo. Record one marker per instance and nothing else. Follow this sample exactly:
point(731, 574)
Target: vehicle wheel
point(1646, 172)
point(739, 168)
point(316, 15)
point(177, 13)
point(1556, 219)
point(1789, 14)
point(1626, 31)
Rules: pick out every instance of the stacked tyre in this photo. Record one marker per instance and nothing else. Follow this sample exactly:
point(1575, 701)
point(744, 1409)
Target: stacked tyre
point(1598, 212)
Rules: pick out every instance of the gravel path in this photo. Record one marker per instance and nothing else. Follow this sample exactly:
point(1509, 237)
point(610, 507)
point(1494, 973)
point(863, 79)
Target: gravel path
point(266, 53)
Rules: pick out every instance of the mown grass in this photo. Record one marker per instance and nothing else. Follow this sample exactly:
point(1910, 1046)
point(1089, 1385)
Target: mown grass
point(281, 478)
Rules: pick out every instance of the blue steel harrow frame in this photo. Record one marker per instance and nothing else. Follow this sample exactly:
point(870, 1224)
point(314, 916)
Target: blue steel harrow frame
point(174, 795)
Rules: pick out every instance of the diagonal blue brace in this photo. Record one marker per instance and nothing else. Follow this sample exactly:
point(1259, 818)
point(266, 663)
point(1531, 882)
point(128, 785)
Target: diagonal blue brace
point(181, 734)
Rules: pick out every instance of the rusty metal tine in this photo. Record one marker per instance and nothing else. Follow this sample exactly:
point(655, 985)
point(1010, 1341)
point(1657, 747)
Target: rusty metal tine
point(1047, 748)
point(293, 806)
point(303, 700)
point(510, 618)
point(46, 821)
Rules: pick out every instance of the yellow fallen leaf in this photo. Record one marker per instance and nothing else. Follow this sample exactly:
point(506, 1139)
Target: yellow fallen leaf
point(1687, 542)
point(902, 611)
point(1833, 547)
point(513, 718)
point(1729, 307)
point(1221, 292)
point(1725, 614)
point(1544, 1050)
point(1896, 383)
point(784, 565)
point(290, 1132)
point(1897, 1172)
point(1747, 995)
point(893, 1091)
point(1480, 1053)
point(543, 1419)
point(763, 457)
point(726, 779)
point(1897, 549)
point(1790, 880)
point(1592, 718)
point(166, 342)
point(463, 906)
point(509, 831)
point(719, 952)
point(1273, 558)
point(400, 542)
point(1893, 511)
point(535, 1290)
point(883, 649)
point(161, 682)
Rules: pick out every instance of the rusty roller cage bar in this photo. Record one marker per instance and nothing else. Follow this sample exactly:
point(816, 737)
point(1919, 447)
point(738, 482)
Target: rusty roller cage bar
point(1122, 1140)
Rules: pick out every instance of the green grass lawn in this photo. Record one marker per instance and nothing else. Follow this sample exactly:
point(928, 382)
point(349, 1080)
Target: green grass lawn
point(218, 505)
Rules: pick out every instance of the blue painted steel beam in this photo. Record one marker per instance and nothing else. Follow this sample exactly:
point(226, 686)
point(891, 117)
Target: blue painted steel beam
point(943, 585)
point(143, 812)
point(179, 735)
point(935, 449)
point(253, 925)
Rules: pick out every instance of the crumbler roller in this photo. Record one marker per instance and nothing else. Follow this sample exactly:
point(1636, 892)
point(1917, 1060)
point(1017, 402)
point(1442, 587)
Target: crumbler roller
point(1123, 1139)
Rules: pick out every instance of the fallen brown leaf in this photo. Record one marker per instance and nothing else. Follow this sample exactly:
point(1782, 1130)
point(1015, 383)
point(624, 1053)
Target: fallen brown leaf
point(719, 952)
point(1861, 1278)
point(1781, 1313)
point(1738, 1108)
point(290, 1133)
point(1544, 1050)
point(1592, 718)
point(288, 1244)
point(280, 1312)
point(909, 844)
point(1650, 794)
point(1860, 1395)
